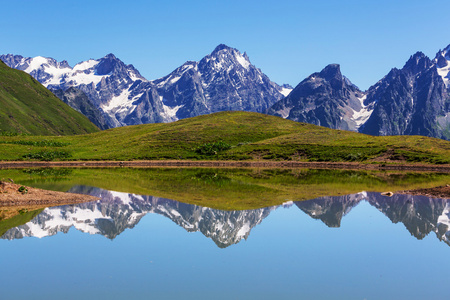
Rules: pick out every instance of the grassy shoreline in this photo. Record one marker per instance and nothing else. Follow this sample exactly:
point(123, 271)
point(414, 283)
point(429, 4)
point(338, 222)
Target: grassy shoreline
point(229, 136)
point(229, 164)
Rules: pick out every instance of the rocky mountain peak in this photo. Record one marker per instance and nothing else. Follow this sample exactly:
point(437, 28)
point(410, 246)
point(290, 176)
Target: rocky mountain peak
point(327, 99)
point(417, 63)
point(220, 48)
point(110, 64)
point(11, 60)
point(64, 64)
point(225, 58)
point(332, 71)
point(446, 52)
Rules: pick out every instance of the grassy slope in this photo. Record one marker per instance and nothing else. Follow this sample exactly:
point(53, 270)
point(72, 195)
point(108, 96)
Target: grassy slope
point(251, 135)
point(28, 107)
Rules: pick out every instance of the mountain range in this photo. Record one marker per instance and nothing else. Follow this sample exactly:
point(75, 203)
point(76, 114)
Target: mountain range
point(116, 212)
point(113, 94)
point(413, 100)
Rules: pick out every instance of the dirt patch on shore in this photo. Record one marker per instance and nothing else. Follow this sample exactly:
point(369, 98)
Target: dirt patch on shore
point(16, 195)
point(437, 192)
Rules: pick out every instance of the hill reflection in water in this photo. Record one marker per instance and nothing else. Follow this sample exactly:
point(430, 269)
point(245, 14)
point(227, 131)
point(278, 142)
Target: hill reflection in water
point(116, 212)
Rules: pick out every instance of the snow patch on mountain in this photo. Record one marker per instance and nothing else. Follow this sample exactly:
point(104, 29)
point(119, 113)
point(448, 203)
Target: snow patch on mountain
point(361, 116)
point(445, 217)
point(242, 60)
point(85, 65)
point(170, 113)
point(285, 91)
point(119, 103)
point(444, 72)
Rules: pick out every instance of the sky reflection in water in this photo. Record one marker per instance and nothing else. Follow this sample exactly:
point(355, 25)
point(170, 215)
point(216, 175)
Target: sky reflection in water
point(360, 246)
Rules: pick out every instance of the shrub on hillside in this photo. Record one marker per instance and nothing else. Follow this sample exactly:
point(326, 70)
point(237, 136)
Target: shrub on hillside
point(212, 148)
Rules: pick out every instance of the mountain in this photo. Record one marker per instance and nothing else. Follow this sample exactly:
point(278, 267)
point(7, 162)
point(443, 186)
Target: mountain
point(28, 107)
point(413, 100)
point(105, 82)
point(116, 212)
point(223, 80)
point(327, 99)
point(118, 94)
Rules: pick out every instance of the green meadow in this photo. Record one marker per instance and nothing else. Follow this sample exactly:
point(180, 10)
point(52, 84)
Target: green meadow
point(227, 136)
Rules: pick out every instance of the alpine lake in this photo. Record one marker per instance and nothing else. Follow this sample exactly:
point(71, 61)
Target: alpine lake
point(198, 233)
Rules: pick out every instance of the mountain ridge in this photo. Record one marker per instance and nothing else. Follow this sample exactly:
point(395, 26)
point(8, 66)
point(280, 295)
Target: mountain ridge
point(413, 100)
point(222, 80)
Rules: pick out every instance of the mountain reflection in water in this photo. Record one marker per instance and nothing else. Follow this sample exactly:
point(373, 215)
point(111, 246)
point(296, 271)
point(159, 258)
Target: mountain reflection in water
point(116, 212)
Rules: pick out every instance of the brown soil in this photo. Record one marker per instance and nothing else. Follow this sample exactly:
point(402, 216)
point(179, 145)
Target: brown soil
point(230, 164)
point(10, 196)
point(437, 192)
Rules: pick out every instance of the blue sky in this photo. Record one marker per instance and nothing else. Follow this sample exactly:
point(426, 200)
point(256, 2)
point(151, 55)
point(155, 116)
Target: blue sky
point(288, 40)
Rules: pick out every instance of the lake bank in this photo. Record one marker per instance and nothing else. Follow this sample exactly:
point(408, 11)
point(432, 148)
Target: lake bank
point(17, 199)
point(229, 164)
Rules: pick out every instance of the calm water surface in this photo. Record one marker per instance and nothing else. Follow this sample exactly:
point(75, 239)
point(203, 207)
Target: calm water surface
point(128, 246)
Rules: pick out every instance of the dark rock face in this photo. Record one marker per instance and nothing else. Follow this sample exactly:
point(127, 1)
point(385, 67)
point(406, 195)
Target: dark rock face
point(326, 99)
point(80, 102)
point(414, 100)
point(409, 101)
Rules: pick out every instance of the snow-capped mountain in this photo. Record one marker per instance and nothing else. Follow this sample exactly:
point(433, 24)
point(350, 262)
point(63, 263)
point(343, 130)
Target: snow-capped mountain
point(116, 212)
point(223, 80)
point(106, 82)
point(413, 100)
point(327, 99)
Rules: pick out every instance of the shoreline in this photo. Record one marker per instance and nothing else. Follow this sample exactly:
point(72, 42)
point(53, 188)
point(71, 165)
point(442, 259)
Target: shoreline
point(226, 164)
point(14, 202)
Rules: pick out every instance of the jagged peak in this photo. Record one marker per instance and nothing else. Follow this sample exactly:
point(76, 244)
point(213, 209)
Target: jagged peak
point(221, 47)
point(226, 54)
point(417, 63)
point(110, 56)
point(447, 49)
point(331, 71)
point(10, 55)
point(442, 57)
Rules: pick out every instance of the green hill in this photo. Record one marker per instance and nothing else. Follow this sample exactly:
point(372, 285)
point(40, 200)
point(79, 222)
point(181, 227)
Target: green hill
point(229, 136)
point(27, 107)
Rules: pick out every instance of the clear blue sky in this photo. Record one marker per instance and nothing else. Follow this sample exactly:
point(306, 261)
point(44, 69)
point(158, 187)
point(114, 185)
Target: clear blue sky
point(286, 39)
